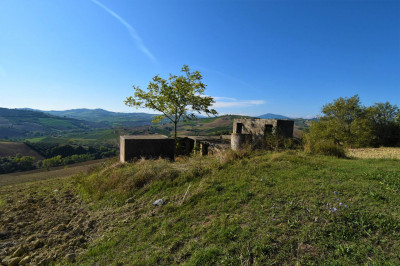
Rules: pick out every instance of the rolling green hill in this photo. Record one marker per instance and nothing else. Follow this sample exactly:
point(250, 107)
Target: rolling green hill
point(15, 123)
point(200, 126)
point(101, 125)
point(112, 118)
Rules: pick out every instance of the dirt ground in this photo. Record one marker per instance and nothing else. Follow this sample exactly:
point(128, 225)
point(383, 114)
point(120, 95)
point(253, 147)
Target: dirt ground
point(49, 221)
point(13, 148)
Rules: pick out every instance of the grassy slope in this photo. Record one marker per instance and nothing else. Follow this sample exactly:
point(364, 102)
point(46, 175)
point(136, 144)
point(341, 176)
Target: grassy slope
point(266, 208)
point(89, 137)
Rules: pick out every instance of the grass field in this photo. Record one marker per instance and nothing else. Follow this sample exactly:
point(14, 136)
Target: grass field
point(242, 208)
point(262, 208)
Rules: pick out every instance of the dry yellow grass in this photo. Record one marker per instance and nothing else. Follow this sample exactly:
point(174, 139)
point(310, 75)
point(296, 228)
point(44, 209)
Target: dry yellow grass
point(375, 153)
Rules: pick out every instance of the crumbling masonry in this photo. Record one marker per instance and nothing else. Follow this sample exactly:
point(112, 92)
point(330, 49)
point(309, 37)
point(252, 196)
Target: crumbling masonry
point(247, 130)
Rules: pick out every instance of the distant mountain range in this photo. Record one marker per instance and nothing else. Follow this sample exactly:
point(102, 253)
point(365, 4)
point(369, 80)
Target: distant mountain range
point(101, 115)
point(273, 116)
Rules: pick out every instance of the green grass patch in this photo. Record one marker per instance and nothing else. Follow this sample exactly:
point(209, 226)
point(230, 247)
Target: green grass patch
point(58, 123)
point(37, 139)
point(244, 208)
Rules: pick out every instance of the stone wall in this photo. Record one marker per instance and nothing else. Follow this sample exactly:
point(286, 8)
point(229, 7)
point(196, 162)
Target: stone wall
point(249, 130)
point(259, 127)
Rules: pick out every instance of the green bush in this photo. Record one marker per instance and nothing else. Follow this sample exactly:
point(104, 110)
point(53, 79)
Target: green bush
point(18, 163)
point(313, 145)
point(329, 148)
point(52, 162)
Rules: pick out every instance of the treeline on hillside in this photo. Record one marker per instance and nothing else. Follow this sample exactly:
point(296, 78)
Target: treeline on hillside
point(55, 155)
point(49, 150)
point(18, 163)
point(347, 123)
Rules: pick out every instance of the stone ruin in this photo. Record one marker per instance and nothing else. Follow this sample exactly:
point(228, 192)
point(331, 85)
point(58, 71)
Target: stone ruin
point(160, 146)
point(247, 130)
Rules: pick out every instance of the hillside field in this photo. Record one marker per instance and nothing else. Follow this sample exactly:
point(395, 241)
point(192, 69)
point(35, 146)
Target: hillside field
point(44, 174)
point(230, 209)
point(15, 123)
point(14, 148)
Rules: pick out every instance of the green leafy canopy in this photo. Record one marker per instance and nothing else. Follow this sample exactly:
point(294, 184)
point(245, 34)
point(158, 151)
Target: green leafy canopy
point(178, 97)
point(347, 122)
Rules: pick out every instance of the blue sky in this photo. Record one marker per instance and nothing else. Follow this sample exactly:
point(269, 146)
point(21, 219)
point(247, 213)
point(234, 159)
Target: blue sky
point(283, 57)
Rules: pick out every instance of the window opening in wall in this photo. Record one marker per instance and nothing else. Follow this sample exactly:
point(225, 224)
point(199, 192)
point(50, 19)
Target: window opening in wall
point(239, 127)
point(267, 129)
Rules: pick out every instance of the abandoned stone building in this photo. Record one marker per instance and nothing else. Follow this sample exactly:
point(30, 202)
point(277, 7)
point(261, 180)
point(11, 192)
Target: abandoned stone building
point(246, 130)
point(160, 146)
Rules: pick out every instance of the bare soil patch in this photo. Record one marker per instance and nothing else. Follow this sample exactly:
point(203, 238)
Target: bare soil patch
point(47, 221)
point(13, 148)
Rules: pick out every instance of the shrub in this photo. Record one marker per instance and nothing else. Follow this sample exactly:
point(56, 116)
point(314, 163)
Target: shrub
point(277, 142)
point(17, 163)
point(328, 147)
point(51, 162)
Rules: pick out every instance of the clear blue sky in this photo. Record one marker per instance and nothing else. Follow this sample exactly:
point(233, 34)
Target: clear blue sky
point(283, 57)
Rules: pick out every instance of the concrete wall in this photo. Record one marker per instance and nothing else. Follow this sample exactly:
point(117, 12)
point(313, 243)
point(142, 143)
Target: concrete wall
point(136, 147)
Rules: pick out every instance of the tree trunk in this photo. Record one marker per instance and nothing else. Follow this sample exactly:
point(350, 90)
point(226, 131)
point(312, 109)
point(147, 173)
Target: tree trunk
point(175, 130)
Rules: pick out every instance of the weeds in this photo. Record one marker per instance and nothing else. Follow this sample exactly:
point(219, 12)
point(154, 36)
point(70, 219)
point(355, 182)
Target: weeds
point(323, 147)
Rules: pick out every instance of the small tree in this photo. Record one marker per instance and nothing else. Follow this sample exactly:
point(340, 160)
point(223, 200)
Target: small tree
point(344, 122)
point(385, 125)
point(177, 98)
